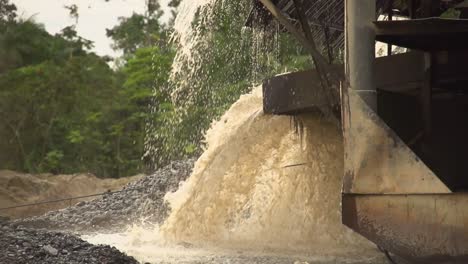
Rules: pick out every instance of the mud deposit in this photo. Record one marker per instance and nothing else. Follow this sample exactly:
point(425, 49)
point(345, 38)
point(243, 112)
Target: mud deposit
point(21, 188)
point(139, 202)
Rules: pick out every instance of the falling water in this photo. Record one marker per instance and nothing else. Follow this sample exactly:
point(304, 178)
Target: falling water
point(184, 33)
point(258, 188)
point(260, 193)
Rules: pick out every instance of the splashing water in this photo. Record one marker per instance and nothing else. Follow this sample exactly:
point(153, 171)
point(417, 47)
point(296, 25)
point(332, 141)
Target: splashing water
point(260, 193)
point(184, 33)
point(258, 187)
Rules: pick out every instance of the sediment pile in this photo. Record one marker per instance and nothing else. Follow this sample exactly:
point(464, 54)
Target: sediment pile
point(18, 188)
point(139, 201)
point(32, 241)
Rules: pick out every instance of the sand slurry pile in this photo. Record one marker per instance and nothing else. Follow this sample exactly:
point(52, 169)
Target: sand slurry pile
point(141, 200)
point(18, 188)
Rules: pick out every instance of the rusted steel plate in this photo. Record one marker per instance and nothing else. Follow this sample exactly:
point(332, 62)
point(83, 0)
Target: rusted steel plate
point(377, 161)
point(292, 93)
point(431, 228)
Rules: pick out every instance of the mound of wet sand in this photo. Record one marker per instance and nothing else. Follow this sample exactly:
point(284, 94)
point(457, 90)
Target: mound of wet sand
point(139, 201)
point(21, 188)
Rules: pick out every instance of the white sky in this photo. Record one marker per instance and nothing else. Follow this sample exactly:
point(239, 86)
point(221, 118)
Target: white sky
point(95, 17)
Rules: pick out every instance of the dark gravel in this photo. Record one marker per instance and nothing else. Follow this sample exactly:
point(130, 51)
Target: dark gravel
point(27, 246)
point(139, 200)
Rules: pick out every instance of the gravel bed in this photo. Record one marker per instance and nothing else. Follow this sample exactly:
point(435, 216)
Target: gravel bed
point(28, 246)
point(139, 200)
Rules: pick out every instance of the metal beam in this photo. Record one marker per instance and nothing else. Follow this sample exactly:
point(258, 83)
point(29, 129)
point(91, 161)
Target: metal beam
point(308, 34)
point(390, 18)
point(426, 98)
point(360, 49)
point(276, 12)
point(333, 78)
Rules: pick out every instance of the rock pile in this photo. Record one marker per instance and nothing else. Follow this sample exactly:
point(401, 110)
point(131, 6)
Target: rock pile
point(140, 200)
point(28, 246)
point(17, 188)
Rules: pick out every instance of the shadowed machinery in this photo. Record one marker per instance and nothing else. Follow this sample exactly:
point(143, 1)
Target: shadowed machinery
point(403, 116)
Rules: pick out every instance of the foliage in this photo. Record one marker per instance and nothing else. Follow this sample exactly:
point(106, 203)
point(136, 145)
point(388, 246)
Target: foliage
point(7, 11)
point(451, 13)
point(173, 4)
point(47, 111)
point(142, 74)
point(64, 110)
point(225, 61)
point(73, 10)
point(139, 30)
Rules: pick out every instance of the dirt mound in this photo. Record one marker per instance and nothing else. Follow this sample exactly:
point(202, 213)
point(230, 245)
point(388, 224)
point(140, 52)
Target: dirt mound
point(141, 200)
point(19, 188)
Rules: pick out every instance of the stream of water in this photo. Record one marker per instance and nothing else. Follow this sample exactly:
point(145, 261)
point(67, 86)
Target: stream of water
point(260, 193)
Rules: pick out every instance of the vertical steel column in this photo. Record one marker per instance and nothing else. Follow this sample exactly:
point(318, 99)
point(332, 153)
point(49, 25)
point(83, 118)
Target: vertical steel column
point(360, 49)
point(426, 97)
point(390, 18)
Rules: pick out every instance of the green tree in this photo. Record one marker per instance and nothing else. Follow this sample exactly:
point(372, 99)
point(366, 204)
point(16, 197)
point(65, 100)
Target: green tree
point(139, 30)
point(149, 68)
point(50, 112)
point(54, 97)
point(173, 5)
point(145, 100)
point(7, 11)
point(225, 62)
point(64, 110)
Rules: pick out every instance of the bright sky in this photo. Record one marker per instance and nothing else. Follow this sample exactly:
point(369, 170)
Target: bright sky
point(95, 17)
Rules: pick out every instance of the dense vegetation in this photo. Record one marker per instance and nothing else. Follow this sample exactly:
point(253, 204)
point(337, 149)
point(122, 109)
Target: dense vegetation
point(64, 109)
point(227, 60)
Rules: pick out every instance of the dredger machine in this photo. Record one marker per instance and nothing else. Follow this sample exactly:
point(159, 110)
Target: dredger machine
point(404, 115)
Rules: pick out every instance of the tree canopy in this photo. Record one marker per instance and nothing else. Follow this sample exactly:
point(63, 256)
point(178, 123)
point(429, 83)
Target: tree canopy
point(65, 110)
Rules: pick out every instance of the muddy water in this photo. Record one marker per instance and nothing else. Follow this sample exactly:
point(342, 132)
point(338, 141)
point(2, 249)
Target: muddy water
point(260, 193)
point(261, 185)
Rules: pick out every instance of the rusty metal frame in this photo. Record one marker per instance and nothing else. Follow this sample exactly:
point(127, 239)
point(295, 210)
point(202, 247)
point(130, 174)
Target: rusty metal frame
point(290, 27)
point(329, 78)
point(421, 228)
point(389, 195)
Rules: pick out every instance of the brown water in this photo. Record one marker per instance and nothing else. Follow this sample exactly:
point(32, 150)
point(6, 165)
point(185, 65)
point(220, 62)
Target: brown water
point(261, 185)
point(260, 193)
